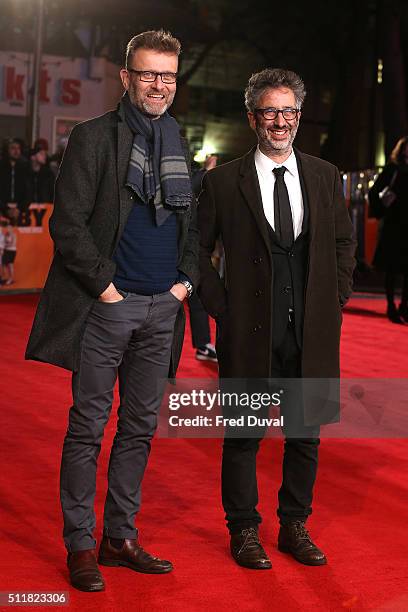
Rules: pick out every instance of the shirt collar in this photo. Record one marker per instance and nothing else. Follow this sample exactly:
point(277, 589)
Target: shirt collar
point(266, 165)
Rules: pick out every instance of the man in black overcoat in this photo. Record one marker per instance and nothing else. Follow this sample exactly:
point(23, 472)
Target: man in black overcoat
point(124, 227)
point(289, 258)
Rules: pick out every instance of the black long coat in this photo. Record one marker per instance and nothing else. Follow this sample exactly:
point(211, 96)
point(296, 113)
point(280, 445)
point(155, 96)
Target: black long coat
point(92, 204)
point(392, 246)
point(21, 185)
point(229, 205)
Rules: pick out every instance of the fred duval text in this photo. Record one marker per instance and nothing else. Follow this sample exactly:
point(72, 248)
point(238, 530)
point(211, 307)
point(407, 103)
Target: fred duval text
point(249, 420)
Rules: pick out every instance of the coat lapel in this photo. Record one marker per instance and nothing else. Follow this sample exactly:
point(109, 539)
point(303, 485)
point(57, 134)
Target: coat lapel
point(124, 147)
point(249, 187)
point(183, 219)
point(312, 185)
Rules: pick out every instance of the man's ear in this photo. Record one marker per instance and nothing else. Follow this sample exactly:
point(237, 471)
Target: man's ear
point(124, 77)
point(252, 121)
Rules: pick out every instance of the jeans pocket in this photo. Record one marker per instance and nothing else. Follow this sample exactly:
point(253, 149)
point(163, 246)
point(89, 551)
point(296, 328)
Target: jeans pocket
point(175, 298)
point(124, 294)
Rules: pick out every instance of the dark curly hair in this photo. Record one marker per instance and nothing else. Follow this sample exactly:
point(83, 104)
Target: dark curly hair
point(273, 78)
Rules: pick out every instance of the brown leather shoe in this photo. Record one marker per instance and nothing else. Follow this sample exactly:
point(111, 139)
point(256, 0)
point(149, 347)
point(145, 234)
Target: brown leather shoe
point(247, 550)
point(133, 556)
point(84, 572)
point(295, 539)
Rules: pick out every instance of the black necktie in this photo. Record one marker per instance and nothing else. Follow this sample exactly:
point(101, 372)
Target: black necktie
point(282, 212)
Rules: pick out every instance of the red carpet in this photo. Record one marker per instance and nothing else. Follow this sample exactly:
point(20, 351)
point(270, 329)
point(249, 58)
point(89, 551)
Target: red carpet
point(360, 503)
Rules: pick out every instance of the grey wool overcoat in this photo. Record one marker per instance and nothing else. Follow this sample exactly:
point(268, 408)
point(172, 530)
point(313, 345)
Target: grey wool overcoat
point(92, 204)
point(230, 206)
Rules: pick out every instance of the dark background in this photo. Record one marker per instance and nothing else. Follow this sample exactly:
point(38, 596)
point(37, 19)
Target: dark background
point(349, 117)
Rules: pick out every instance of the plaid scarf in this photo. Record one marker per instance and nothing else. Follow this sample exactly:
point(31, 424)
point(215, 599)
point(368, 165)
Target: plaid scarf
point(157, 167)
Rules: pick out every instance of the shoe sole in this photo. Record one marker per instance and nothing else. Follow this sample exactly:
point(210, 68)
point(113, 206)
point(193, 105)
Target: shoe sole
point(202, 358)
point(261, 567)
point(81, 588)
point(283, 549)
point(109, 563)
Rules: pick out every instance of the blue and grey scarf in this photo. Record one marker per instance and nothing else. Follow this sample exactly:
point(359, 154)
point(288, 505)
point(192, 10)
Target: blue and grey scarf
point(157, 167)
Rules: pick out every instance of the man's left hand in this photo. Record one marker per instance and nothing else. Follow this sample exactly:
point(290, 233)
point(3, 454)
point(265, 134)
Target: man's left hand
point(179, 291)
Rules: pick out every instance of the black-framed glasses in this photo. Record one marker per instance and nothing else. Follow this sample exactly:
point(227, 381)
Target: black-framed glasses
point(149, 76)
point(272, 113)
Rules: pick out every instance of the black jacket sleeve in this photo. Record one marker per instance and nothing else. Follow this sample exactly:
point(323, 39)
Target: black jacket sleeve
point(212, 290)
point(75, 195)
point(345, 243)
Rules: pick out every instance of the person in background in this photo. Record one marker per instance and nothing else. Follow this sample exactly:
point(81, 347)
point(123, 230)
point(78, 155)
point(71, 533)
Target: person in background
point(56, 158)
point(388, 199)
point(9, 253)
point(199, 320)
point(3, 222)
point(14, 182)
point(42, 143)
point(25, 149)
point(41, 177)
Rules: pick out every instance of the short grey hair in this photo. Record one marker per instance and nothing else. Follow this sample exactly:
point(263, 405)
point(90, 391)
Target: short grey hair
point(273, 78)
point(156, 40)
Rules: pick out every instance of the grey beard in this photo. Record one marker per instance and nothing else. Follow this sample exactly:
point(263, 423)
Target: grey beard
point(271, 147)
point(145, 108)
point(150, 111)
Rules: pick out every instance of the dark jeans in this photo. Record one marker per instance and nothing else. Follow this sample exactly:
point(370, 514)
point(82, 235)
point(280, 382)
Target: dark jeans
point(131, 338)
point(239, 482)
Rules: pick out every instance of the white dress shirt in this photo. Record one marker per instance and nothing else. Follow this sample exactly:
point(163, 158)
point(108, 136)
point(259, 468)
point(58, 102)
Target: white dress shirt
point(264, 168)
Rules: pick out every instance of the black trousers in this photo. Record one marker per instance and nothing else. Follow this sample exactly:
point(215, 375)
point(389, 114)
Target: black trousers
point(300, 458)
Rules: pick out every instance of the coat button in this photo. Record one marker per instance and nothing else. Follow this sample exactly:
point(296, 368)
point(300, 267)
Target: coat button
point(291, 254)
point(287, 289)
point(257, 260)
point(258, 293)
point(257, 328)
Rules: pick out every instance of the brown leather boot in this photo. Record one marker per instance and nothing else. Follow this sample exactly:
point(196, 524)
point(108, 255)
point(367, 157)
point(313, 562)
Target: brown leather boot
point(84, 572)
point(295, 539)
point(133, 556)
point(247, 550)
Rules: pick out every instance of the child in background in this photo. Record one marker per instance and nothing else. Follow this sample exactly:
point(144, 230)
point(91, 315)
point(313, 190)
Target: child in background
point(9, 253)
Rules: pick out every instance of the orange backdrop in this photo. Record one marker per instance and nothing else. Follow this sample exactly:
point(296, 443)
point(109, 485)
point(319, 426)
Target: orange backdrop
point(34, 250)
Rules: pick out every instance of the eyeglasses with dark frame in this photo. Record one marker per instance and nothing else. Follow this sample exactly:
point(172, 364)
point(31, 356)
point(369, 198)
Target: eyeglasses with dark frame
point(271, 113)
point(148, 76)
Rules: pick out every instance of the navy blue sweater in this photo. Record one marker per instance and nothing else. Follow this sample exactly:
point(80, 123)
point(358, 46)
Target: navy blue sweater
point(146, 256)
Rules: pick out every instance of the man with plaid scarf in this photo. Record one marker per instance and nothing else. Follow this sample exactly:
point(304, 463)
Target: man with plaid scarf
point(126, 258)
